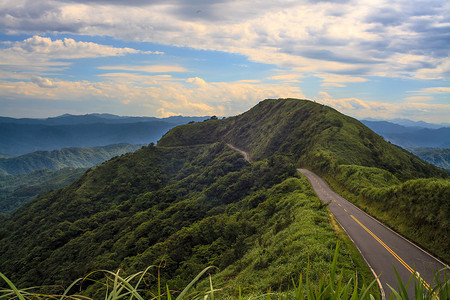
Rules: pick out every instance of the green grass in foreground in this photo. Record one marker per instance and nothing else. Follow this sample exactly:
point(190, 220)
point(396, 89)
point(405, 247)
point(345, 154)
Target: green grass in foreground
point(329, 286)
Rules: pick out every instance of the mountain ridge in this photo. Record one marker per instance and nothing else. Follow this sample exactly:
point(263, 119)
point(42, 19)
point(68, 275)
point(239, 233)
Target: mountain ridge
point(312, 134)
point(75, 157)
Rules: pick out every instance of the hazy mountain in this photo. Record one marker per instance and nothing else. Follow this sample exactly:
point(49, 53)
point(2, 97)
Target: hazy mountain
point(436, 156)
point(410, 137)
point(68, 119)
point(63, 158)
point(192, 202)
point(21, 136)
point(410, 123)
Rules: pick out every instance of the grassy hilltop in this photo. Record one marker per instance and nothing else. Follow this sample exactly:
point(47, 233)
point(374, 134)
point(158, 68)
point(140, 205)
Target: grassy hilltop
point(310, 134)
point(318, 137)
point(191, 202)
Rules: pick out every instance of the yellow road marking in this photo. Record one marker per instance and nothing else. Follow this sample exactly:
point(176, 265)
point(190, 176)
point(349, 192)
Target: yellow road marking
point(427, 286)
point(345, 209)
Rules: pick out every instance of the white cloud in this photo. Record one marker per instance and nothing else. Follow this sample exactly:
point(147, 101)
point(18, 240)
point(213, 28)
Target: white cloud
point(147, 95)
point(383, 110)
point(41, 54)
point(334, 80)
point(419, 98)
point(67, 48)
point(372, 38)
point(148, 68)
point(42, 82)
point(434, 90)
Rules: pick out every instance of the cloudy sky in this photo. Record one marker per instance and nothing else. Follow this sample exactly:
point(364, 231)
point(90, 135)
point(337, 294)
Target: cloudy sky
point(366, 58)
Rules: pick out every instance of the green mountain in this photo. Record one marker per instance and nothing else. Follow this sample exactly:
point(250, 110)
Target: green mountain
point(312, 135)
point(191, 201)
point(437, 156)
point(63, 158)
point(24, 177)
point(16, 190)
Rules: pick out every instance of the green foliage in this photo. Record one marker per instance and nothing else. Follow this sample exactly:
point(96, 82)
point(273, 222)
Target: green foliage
point(437, 156)
point(63, 158)
point(329, 285)
point(416, 208)
point(16, 190)
point(310, 134)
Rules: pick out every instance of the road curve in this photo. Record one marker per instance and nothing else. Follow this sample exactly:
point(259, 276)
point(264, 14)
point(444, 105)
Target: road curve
point(381, 247)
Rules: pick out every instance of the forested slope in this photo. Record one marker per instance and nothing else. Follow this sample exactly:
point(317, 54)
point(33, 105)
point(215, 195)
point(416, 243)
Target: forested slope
point(62, 158)
point(190, 206)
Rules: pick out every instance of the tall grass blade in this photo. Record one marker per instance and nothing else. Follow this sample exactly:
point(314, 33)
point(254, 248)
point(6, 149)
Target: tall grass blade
point(64, 295)
point(402, 287)
point(13, 287)
point(188, 287)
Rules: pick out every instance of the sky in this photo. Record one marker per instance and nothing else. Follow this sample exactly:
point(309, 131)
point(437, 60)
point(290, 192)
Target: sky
point(365, 58)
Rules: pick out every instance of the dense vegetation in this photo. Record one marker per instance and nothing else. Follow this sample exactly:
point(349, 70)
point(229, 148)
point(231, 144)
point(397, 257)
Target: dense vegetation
point(437, 156)
point(418, 208)
point(321, 139)
point(310, 134)
point(63, 158)
point(189, 207)
point(191, 202)
point(19, 189)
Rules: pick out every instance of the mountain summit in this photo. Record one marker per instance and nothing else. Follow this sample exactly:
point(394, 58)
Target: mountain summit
point(311, 134)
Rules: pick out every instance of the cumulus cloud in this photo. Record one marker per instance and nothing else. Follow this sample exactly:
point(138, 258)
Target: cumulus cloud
point(67, 48)
point(42, 82)
point(338, 37)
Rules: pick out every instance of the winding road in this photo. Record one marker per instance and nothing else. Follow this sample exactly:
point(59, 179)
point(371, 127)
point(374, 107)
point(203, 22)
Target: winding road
point(382, 248)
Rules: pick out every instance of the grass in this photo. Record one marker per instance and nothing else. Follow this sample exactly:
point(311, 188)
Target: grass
point(330, 285)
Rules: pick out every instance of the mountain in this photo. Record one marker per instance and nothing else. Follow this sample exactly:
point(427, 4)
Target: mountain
point(409, 123)
point(192, 201)
point(68, 119)
point(312, 135)
point(24, 177)
point(22, 136)
point(436, 156)
point(63, 158)
point(17, 190)
point(410, 137)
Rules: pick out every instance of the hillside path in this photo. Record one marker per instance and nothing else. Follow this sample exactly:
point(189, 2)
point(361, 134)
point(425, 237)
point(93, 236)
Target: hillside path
point(246, 156)
point(381, 247)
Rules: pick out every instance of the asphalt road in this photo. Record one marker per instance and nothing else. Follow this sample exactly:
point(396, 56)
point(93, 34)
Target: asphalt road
point(381, 247)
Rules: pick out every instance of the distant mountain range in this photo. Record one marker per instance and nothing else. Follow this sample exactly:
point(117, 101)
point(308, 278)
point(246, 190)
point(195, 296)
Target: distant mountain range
point(63, 158)
point(410, 123)
point(21, 136)
point(411, 136)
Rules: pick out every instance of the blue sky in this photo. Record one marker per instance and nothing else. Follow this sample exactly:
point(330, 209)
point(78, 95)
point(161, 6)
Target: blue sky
point(369, 58)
